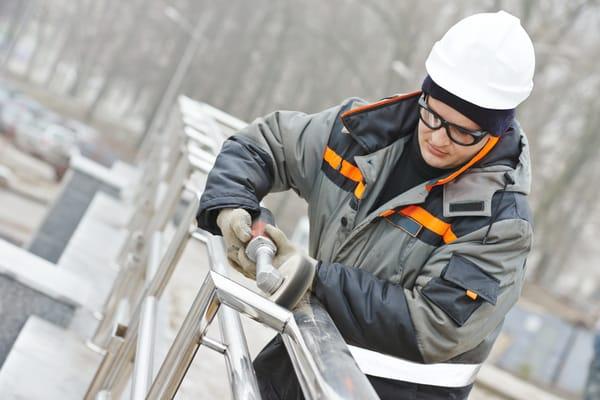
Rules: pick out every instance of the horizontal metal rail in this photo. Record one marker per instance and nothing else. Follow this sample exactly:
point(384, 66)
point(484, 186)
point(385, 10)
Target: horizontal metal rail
point(320, 357)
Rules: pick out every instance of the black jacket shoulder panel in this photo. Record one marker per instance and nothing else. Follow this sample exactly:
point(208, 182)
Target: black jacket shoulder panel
point(376, 126)
point(507, 151)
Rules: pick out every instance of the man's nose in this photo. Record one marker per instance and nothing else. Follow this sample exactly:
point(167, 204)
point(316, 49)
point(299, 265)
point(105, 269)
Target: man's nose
point(439, 137)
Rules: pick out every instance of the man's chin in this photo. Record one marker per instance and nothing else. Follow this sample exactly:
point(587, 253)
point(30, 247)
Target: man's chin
point(435, 162)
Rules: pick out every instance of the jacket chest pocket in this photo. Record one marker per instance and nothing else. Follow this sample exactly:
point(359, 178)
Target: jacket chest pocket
point(410, 251)
point(461, 289)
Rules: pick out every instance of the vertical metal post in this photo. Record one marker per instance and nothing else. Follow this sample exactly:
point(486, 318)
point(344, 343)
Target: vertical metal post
point(242, 378)
point(127, 274)
point(112, 349)
point(144, 356)
point(99, 340)
point(186, 344)
point(111, 374)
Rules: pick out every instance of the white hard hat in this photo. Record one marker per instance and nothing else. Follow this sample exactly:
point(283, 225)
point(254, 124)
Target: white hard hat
point(486, 59)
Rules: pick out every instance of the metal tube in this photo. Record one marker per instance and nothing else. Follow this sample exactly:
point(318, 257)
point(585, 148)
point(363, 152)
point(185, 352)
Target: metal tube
point(332, 370)
point(193, 329)
point(114, 345)
point(321, 359)
point(242, 378)
point(103, 395)
point(165, 209)
point(268, 279)
point(185, 345)
point(101, 336)
point(119, 367)
point(202, 139)
point(144, 354)
point(214, 345)
point(200, 165)
point(194, 149)
point(252, 304)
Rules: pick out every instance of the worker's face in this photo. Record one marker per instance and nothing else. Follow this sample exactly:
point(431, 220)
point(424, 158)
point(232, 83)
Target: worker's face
point(436, 147)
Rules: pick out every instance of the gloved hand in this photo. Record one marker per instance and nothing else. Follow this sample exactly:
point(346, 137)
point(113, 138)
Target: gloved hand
point(298, 270)
point(235, 225)
point(285, 249)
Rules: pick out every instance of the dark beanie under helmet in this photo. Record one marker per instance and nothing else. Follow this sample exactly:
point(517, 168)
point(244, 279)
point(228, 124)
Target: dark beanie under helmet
point(493, 121)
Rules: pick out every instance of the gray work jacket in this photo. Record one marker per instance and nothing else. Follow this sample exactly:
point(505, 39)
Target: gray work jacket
point(428, 276)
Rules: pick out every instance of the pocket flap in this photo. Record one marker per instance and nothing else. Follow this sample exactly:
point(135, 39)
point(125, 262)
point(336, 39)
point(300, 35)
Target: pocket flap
point(469, 276)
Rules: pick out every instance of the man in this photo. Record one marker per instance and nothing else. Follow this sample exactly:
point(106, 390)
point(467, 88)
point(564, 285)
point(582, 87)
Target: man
point(419, 222)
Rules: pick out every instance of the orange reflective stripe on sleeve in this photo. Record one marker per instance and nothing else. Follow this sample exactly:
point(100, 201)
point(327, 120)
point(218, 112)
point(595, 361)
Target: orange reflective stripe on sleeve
point(360, 190)
point(346, 169)
point(350, 171)
point(430, 222)
point(332, 158)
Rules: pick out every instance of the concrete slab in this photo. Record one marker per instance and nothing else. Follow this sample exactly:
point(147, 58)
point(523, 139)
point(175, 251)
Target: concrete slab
point(114, 212)
point(39, 274)
point(18, 302)
point(47, 362)
point(64, 216)
point(19, 217)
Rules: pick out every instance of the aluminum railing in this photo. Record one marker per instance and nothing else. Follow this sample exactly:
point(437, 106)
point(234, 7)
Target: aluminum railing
point(116, 366)
point(320, 357)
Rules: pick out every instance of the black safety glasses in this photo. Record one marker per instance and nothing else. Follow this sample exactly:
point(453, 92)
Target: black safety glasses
point(456, 133)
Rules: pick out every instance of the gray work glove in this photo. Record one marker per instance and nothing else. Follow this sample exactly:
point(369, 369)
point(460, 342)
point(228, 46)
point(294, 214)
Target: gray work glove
point(235, 225)
point(298, 270)
point(285, 249)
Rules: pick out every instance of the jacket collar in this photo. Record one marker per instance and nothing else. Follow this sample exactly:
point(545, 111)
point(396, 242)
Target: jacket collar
point(378, 125)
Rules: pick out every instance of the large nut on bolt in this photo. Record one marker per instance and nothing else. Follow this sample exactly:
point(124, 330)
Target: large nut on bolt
point(261, 250)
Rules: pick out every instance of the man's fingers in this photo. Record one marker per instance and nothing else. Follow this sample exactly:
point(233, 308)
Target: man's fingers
point(277, 236)
point(240, 225)
point(232, 252)
point(234, 261)
point(244, 260)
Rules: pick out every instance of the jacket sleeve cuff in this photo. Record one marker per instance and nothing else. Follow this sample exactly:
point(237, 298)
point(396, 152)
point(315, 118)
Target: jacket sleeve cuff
point(209, 210)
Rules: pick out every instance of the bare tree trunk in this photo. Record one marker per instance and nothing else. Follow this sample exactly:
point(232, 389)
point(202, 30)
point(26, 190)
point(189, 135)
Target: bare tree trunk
point(24, 20)
point(39, 39)
point(273, 69)
point(64, 46)
point(238, 71)
point(91, 49)
point(549, 213)
point(123, 46)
